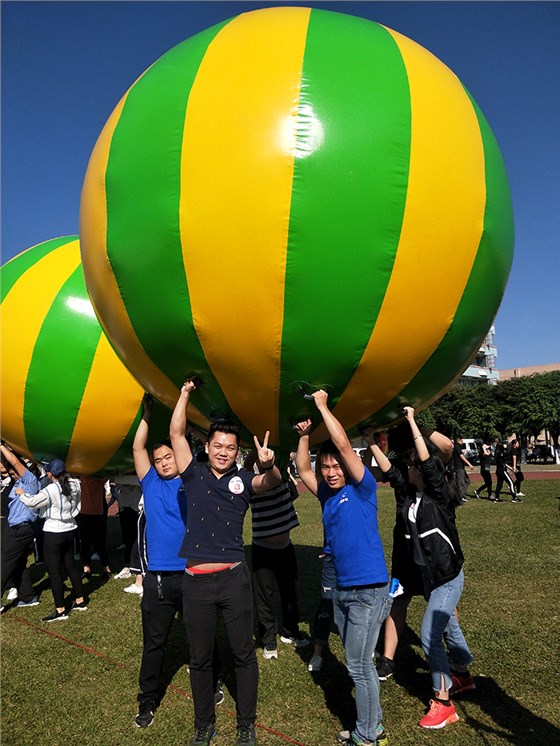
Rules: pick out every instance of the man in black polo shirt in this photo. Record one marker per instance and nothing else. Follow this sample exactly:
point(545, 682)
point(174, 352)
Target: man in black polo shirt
point(217, 576)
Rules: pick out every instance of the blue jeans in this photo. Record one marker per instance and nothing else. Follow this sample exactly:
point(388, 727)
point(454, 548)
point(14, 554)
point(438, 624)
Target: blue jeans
point(440, 624)
point(359, 614)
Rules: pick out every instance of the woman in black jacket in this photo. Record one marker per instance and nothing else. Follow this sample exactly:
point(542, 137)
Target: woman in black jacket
point(427, 533)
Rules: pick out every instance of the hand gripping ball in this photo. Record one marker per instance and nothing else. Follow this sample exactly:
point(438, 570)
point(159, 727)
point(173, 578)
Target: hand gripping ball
point(291, 198)
point(65, 393)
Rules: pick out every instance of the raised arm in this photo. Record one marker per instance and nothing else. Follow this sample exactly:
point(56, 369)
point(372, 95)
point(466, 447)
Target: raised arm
point(270, 476)
point(350, 458)
point(139, 450)
point(375, 452)
point(441, 442)
point(419, 444)
point(303, 460)
point(13, 460)
point(178, 427)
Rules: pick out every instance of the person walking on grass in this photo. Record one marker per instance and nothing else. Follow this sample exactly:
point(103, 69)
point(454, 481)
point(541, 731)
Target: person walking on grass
point(432, 545)
point(361, 601)
point(485, 455)
point(458, 471)
point(502, 475)
point(59, 504)
point(217, 578)
point(514, 462)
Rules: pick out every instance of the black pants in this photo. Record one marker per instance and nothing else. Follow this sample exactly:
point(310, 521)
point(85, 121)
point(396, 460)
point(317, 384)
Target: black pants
point(93, 535)
point(487, 477)
point(519, 478)
point(58, 549)
point(501, 477)
point(228, 592)
point(275, 568)
point(158, 612)
point(128, 518)
point(16, 546)
point(324, 616)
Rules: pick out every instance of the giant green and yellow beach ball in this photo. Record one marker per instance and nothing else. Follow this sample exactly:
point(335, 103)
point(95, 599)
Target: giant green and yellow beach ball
point(65, 393)
point(297, 198)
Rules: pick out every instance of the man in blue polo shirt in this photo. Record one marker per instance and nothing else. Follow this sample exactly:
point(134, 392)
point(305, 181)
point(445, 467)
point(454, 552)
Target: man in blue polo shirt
point(22, 529)
point(348, 494)
point(217, 576)
point(165, 512)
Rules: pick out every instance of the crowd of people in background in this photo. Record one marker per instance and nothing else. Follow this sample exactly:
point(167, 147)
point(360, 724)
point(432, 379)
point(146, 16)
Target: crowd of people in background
point(181, 517)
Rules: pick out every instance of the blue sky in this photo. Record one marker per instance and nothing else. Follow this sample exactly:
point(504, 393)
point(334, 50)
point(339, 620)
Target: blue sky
point(65, 65)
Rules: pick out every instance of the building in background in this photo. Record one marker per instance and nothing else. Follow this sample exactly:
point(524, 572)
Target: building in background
point(483, 367)
point(528, 371)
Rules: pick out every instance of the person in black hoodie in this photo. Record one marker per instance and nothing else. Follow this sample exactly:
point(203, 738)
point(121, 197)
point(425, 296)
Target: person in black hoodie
point(430, 547)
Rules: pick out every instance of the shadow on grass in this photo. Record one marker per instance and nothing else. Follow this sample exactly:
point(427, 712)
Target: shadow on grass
point(337, 689)
point(515, 723)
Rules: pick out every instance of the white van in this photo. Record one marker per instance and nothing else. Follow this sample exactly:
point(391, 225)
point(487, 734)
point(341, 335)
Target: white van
point(470, 450)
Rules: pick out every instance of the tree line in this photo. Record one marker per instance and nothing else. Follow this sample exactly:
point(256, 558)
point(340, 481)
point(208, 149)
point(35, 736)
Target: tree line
point(522, 406)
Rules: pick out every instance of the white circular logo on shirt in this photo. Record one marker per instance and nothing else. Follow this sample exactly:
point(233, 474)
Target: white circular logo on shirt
point(236, 485)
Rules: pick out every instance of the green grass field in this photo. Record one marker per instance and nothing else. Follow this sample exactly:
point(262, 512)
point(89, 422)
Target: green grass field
point(75, 682)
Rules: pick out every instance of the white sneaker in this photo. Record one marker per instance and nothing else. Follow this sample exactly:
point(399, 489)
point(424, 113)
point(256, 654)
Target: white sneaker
point(123, 574)
point(270, 652)
point(137, 589)
point(520, 494)
point(299, 642)
point(12, 594)
point(315, 664)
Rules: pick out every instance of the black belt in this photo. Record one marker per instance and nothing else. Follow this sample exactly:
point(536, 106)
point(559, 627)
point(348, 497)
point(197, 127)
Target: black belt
point(166, 572)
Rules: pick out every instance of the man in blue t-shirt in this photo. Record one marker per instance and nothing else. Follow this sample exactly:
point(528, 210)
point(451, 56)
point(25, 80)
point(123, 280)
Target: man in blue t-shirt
point(348, 494)
point(216, 576)
point(165, 510)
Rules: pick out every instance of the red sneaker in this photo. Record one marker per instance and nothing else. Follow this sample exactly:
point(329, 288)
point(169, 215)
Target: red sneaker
point(461, 683)
point(439, 715)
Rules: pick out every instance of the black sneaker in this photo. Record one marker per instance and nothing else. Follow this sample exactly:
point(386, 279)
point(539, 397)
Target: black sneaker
point(145, 714)
point(35, 601)
point(246, 735)
point(203, 736)
point(516, 499)
point(55, 616)
point(82, 606)
point(219, 693)
point(476, 494)
point(385, 668)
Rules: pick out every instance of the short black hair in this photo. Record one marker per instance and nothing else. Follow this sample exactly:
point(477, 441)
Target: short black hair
point(224, 426)
point(164, 444)
point(401, 442)
point(328, 448)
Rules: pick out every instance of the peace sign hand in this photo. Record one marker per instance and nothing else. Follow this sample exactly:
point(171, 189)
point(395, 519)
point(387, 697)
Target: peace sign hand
point(265, 454)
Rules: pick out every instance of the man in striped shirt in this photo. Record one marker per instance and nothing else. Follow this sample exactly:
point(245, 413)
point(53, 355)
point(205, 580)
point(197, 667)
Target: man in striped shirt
point(274, 563)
